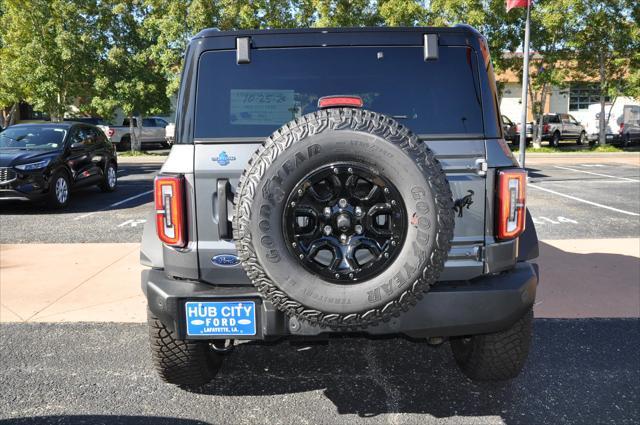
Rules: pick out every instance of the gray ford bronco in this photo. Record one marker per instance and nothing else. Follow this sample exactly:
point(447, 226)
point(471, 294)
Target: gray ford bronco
point(339, 181)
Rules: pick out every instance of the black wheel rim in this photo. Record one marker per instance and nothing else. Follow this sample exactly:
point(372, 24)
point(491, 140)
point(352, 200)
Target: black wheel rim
point(345, 222)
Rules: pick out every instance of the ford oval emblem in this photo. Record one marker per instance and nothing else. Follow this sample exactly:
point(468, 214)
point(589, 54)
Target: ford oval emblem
point(225, 260)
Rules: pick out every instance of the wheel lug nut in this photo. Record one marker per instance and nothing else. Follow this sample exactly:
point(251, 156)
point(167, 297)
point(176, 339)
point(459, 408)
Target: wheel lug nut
point(350, 170)
point(350, 275)
point(337, 276)
point(393, 202)
point(327, 211)
point(343, 238)
point(327, 230)
point(386, 190)
point(335, 170)
point(358, 229)
point(300, 192)
point(358, 211)
point(386, 255)
point(294, 244)
point(342, 202)
point(301, 256)
point(394, 243)
point(293, 204)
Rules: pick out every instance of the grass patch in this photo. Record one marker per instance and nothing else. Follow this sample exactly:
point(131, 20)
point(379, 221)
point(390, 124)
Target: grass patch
point(591, 149)
point(139, 153)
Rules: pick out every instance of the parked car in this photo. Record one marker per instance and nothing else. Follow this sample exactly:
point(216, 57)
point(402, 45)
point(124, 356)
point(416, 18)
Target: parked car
point(47, 161)
point(509, 128)
point(529, 132)
point(557, 127)
point(169, 133)
point(342, 218)
point(629, 126)
point(148, 130)
point(618, 114)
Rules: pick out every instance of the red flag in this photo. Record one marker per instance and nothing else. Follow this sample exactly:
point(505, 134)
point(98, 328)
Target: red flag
point(512, 4)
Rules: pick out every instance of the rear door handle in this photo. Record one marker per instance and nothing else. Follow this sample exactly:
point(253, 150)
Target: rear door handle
point(224, 226)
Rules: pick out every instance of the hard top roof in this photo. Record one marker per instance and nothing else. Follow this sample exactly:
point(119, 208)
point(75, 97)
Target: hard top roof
point(458, 28)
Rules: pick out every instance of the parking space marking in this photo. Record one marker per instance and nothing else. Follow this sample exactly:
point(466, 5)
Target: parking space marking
point(131, 198)
point(134, 222)
point(595, 204)
point(597, 174)
point(558, 220)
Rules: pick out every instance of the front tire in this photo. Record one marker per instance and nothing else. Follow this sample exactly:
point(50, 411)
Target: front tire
point(110, 182)
point(582, 138)
point(59, 190)
point(496, 356)
point(188, 364)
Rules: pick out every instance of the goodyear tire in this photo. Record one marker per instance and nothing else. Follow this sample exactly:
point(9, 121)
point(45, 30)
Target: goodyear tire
point(497, 356)
point(188, 364)
point(420, 218)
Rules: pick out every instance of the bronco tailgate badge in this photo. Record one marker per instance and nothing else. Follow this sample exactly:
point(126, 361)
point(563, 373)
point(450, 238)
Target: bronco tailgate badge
point(223, 159)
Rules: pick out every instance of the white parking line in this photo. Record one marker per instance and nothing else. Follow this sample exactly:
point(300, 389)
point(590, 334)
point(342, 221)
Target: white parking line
point(583, 200)
point(115, 204)
point(597, 174)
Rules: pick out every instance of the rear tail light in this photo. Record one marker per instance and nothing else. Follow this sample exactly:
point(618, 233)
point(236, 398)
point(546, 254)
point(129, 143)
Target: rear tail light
point(545, 128)
point(110, 132)
point(340, 101)
point(511, 203)
point(621, 128)
point(169, 202)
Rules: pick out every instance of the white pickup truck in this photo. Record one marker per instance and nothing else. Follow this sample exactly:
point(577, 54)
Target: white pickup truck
point(150, 130)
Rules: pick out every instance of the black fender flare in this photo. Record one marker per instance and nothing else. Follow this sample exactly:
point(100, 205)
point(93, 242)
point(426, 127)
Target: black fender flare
point(528, 241)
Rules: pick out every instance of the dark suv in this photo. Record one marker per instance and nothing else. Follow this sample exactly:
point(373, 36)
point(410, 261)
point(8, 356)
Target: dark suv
point(338, 181)
point(47, 161)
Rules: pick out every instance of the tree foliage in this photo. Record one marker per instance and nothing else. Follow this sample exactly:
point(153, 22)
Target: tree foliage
point(48, 52)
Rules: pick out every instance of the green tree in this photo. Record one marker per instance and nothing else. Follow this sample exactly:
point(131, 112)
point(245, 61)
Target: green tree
point(48, 52)
point(504, 31)
point(128, 77)
point(409, 13)
point(605, 45)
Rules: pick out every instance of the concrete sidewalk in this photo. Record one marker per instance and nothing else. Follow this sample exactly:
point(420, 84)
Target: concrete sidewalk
point(101, 282)
point(71, 283)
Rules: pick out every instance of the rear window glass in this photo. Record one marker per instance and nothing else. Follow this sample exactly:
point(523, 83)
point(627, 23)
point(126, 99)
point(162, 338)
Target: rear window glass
point(253, 100)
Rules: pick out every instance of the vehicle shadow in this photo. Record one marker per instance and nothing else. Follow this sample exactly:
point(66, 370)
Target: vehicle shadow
point(562, 380)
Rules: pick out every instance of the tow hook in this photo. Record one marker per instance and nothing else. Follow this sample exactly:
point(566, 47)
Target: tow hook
point(223, 346)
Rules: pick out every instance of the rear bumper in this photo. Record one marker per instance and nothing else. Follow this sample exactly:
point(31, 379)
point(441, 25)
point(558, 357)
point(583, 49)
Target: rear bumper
point(483, 305)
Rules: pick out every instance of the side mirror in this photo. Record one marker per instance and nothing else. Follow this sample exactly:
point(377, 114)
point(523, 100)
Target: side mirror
point(77, 146)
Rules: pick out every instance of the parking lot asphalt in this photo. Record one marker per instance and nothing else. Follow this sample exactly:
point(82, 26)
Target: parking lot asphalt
point(578, 372)
point(585, 200)
point(568, 200)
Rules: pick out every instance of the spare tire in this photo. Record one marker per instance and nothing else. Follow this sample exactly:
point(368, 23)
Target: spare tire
point(343, 218)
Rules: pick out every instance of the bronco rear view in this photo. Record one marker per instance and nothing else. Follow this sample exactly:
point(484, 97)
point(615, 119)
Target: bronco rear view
point(339, 181)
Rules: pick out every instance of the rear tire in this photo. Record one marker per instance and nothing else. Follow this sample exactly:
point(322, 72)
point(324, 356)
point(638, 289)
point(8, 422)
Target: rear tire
point(124, 145)
point(497, 356)
point(188, 364)
point(555, 140)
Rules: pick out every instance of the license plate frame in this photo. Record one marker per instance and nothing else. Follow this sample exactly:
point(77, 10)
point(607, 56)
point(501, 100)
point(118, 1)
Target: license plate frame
point(216, 328)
